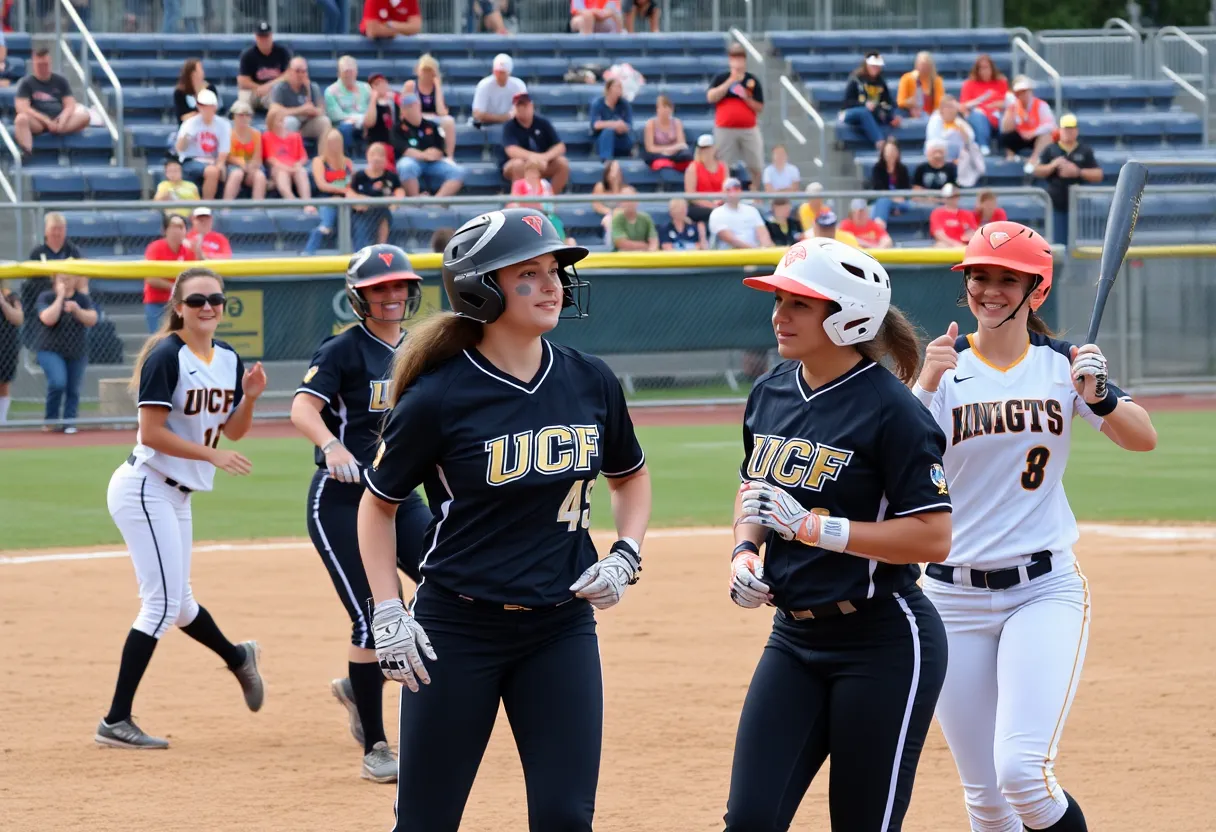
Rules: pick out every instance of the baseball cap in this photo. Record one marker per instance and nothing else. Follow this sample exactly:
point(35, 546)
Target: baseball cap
point(263, 28)
point(874, 59)
point(736, 48)
point(826, 220)
point(1022, 83)
point(731, 182)
point(858, 204)
point(705, 140)
point(504, 62)
point(374, 77)
point(201, 211)
point(948, 190)
point(520, 97)
point(815, 188)
point(206, 98)
point(240, 108)
point(1068, 120)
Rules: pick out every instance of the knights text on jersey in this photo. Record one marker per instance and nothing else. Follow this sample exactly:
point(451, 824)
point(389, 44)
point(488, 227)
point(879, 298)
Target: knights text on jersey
point(201, 395)
point(350, 373)
point(508, 468)
point(861, 447)
point(1008, 433)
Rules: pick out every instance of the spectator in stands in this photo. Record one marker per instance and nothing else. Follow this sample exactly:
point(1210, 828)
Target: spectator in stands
point(612, 181)
point(244, 155)
point(427, 83)
point(736, 224)
point(488, 16)
point(920, 91)
point(174, 188)
point(44, 104)
point(335, 16)
point(1063, 164)
point(986, 209)
point(331, 172)
point(494, 97)
point(421, 162)
point(381, 113)
point(208, 244)
point(285, 157)
point(827, 226)
point(203, 142)
point(706, 175)
point(867, 101)
point(188, 14)
point(641, 10)
point(528, 137)
point(261, 67)
point(783, 229)
point(681, 233)
point(370, 223)
point(738, 100)
point(301, 101)
point(533, 183)
point(440, 239)
point(868, 232)
point(982, 100)
point(190, 83)
point(1028, 123)
point(633, 230)
point(935, 172)
point(389, 18)
point(815, 206)
point(12, 316)
point(781, 176)
point(346, 102)
point(55, 246)
point(172, 246)
point(596, 16)
point(4, 82)
point(947, 125)
point(951, 225)
point(889, 174)
point(664, 144)
point(64, 318)
point(612, 123)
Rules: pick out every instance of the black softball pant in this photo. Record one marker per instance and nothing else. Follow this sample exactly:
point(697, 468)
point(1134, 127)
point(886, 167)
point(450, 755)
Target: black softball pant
point(544, 666)
point(860, 688)
point(333, 525)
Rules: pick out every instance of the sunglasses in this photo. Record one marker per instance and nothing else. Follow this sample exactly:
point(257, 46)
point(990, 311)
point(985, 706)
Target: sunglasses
point(217, 301)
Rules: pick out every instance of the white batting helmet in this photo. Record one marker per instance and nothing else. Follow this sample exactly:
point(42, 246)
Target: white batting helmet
point(831, 270)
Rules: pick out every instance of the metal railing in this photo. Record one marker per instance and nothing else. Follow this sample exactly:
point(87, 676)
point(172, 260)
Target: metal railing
point(789, 92)
point(88, 47)
point(1114, 51)
point(15, 152)
point(1022, 47)
point(1191, 65)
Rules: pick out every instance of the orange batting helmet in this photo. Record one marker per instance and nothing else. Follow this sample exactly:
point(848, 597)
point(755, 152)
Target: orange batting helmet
point(1013, 246)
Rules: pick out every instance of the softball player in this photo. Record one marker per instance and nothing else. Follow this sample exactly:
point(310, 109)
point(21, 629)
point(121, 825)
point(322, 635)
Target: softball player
point(843, 484)
point(1014, 601)
point(191, 388)
point(508, 433)
point(346, 399)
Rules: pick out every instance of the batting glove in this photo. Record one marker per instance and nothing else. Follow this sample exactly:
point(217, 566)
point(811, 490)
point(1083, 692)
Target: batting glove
point(604, 582)
point(1091, 364)
point(747, 588)
point(773, 508)
point(340, 462)
point(400, 643)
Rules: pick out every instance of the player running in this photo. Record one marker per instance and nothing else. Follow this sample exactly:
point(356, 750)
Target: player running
point(347, 398)
point(843, 484)
point(1012, 597)
point(508, 433)
point(191, 388)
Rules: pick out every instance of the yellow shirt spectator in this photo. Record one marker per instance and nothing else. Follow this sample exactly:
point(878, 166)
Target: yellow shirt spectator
point(182, 189)
point(921, 90)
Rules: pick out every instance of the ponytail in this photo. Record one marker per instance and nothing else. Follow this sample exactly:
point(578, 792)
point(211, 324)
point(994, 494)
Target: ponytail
point(428, 345)
point(1037, 325)
point(896, 338)
point(170, 323)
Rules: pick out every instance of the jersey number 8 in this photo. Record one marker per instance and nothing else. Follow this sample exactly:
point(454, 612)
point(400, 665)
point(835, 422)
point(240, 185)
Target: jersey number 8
point(1036, 461)
point(575, 510)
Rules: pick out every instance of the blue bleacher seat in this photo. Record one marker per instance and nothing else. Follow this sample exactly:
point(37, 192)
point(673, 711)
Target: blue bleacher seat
point(8, 95)
point(482, 178)
point(96, 233)
point(114, 183)
point(246, 228)
point(138, 229)
point(93, 145)
point(293, 227)
point(147, 104)
point(58, 184)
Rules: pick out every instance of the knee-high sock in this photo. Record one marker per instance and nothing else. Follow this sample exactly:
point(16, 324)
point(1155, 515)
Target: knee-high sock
point(203, 629)
point(136, 654)
point(367, 684)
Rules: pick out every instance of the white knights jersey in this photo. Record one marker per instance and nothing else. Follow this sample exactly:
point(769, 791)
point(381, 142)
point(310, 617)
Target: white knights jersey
point(200, 394)
point(1007, 441)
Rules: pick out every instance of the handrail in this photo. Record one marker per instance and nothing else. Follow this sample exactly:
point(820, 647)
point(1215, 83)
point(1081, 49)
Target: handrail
point(1019, 44)
point(1205, 77)
point(1188, 87)
point(752, 51)
point(90, 92)
point(115, 126)
point(1120, 23)
point(15, 152)
point(788, 90)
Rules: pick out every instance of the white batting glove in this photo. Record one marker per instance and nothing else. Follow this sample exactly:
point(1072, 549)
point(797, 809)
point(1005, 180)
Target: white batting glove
point(340, 462)
point(604, 582)
point(399, 639)
point(773, 508)
point(747, 587)
point(1089, 363)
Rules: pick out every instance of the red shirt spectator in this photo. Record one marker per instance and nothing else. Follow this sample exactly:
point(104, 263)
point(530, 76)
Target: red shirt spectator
point(949, 224)
point(738, 86)
point(161, 250)
point(867, 230)
point(287, 150)
point(212, 245)
point(387, 12)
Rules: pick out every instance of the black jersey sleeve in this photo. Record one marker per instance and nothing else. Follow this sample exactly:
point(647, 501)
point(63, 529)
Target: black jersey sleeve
point(159, 375)
point(911, 446)
point(323, 378)
point(409, 446)
point(622, 452)
point(749, 438)
point(240, 381)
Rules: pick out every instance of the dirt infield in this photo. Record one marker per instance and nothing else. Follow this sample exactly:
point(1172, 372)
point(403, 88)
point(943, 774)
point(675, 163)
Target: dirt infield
point(1138, 751)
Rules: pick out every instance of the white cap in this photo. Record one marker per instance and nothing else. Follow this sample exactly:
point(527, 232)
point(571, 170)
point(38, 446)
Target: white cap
point(1022, 83)
point(814, 188)
point(705, 140)
point(948, 190)
point(206, 98)
point(504, 62)
point(875, 60)
point(201, 211)
point(858, 205)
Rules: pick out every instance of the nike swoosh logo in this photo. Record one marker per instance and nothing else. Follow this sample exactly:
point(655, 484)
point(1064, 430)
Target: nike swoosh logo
point(964, 378)
point(192, 372)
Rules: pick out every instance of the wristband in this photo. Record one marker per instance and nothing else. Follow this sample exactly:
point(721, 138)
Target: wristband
point(833, 533)
point(1106, 405)
point(745, 546)
point(330, 445)
point(925, 396)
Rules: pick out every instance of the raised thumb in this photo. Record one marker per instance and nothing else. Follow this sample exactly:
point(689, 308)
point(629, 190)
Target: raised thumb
point(952, 330)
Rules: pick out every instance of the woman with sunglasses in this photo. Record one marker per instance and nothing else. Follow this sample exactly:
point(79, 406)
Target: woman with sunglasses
point(191, 389)
point(339, 407)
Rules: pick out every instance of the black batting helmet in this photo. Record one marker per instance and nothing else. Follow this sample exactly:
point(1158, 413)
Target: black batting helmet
point(380, 264)
point(502, 238)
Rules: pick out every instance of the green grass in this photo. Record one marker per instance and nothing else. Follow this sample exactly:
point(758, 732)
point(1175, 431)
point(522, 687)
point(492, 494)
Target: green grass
point(57, 497)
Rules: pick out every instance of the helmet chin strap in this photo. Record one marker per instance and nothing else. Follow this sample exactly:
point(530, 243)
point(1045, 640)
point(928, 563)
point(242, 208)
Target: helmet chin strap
point(1038, 278)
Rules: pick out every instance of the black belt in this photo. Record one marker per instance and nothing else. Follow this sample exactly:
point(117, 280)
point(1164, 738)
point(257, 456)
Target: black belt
point(1040, 564)
point(169, 481)
point(832, 610)
point(478, 603)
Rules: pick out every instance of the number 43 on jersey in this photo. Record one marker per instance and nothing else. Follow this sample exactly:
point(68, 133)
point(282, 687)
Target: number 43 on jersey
point(575, 510)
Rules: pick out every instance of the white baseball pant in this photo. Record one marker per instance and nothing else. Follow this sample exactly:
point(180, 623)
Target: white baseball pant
point(156, 524)
point(1015, 661)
